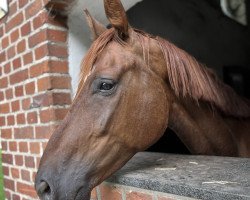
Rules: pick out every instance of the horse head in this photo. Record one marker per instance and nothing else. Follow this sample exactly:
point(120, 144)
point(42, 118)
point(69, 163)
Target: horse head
point(121, 107)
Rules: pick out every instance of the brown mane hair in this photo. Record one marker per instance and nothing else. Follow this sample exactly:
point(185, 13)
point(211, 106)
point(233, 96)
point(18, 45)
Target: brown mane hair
point(187, 77)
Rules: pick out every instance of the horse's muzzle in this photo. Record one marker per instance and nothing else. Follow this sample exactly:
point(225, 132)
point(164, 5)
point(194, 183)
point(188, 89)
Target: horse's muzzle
point(44, 191)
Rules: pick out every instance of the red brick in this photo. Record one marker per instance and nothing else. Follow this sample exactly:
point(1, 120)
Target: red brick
point(9, 184)
point(23, 147)
point(22, 3)
point(25, 174)
point(52, 115)
point(3, 82)
point(41, 52)
point(26, 29)
point(4, 145)
point(16, 63)
point(44, 84)
point(30, 88)
point(7, 194)
point(9, 94)
point(55, 82)
point(35, 148)
point(6, 68)
point(41, 19)
point(49, 66)
point(33, 176)
point(20, 118)
point(1, 96)
point(43, 100)
point(138, 196)
point(19, 160)
point(44, 144)
point(21, 46)
point(37, 38)
point(16, 197)
point(11, 52)
point(15, 173)
point(2, 56)
point(5, 42)
point(59, 66)
point(57, 35)
point(19, 76)
point(12, 9)
point(109, 192)
point(6, 171)
point(15, 106)
point(29, 161)
point(27, 58)
point(23, 133)
point(26, 104)
point(1, 31)
point(2, 121)
point(32, 117)
point(14, 22)
point(58, 51)
point(14, 36)
point(48, 99)
point(19, 91)
point(44, 17)
point(6, 133)
point(33, 9)
point(61, 113)
point(13, 146)
point(37, 69)
point(26, 189)
point(44, 132)
point(61, 98)
point(4, 108)
point(7, 158)
point(47, 115)
point(11, 120)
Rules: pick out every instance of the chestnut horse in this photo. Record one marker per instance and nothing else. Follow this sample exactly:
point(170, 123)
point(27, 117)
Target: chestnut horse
point(132, 87)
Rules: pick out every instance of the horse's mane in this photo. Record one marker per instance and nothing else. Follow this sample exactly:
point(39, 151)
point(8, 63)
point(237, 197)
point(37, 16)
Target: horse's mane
point(187, 77)
point(190, 78)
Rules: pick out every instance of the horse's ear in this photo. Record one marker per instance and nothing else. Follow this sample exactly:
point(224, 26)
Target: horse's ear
point(96, 27)
point(116, 14)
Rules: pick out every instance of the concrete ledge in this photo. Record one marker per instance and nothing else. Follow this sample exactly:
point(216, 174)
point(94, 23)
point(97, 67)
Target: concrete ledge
point(201, 177)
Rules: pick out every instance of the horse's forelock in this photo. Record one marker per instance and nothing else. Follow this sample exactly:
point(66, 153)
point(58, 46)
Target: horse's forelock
point(96, 48)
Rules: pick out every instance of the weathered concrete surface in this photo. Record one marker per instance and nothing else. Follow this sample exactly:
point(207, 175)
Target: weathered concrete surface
point(202, 177)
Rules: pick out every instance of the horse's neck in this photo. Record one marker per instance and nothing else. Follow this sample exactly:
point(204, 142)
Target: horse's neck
point(204, 131)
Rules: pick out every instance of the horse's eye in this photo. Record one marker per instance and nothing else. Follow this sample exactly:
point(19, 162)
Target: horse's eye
point(106, 86)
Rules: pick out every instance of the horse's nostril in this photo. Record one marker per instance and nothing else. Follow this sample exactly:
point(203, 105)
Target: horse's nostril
point(43, 189)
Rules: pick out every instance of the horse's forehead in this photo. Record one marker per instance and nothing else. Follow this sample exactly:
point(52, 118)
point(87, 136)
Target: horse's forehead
point(115, 54)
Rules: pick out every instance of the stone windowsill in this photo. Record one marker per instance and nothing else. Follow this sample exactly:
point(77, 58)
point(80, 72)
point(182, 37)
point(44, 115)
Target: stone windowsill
point(201, 177)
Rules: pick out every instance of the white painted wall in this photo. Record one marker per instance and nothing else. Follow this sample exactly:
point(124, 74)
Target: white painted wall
point(79, 34)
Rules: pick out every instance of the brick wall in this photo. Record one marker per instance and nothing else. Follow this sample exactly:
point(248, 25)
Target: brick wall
point(35, 90)
point(109, 191)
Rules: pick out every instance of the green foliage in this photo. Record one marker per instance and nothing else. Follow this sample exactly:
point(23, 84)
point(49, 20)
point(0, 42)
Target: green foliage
point(1, 178)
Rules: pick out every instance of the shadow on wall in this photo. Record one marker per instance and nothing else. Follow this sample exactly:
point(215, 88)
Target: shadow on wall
point(197, 26)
